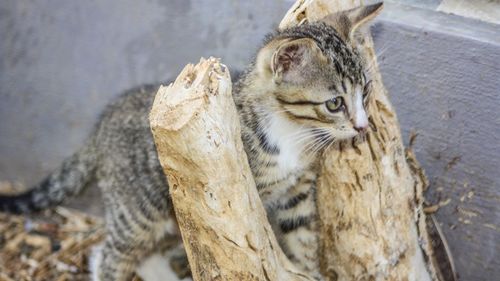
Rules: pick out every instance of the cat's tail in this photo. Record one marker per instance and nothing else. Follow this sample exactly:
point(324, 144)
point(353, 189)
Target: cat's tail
point(74, 174)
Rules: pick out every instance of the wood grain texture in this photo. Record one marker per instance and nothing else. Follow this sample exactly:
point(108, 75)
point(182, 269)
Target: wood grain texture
point(222, 220)
point(369, 197)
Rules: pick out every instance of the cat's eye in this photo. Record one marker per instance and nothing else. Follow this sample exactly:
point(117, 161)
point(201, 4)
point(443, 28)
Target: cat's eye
point(335, 104)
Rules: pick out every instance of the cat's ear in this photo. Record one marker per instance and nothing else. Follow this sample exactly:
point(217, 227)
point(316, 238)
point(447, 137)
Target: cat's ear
point(354, 22)
point(291, 58)
point(288, 60)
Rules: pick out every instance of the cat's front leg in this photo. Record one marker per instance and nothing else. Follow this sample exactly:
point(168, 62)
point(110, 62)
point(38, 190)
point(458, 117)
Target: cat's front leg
point(296, 219)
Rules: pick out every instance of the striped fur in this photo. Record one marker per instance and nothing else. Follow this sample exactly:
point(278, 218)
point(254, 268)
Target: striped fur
point(282, 100)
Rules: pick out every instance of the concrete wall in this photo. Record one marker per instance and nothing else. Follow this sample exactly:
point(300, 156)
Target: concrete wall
point(443, 75)
point(62, 61)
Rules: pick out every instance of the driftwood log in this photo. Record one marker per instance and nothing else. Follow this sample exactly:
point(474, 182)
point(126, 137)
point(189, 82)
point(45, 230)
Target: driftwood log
point(373, 226)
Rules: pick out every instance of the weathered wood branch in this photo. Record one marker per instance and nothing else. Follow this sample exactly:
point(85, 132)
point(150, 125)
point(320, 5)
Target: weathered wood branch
point(223, 223)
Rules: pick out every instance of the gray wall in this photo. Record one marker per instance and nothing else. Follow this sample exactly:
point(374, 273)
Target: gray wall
point(62, 61)
point(443, 75)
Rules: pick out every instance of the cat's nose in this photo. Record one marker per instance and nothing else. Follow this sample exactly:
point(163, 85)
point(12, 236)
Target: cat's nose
point(360, 120)
point(361, 129)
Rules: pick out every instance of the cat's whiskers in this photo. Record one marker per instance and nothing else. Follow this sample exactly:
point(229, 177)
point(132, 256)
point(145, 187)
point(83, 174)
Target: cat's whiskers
point(328, 139)
point(300, 135)
point(316, 144)
point(331, 143)
point(307, 136)
point(375, 60)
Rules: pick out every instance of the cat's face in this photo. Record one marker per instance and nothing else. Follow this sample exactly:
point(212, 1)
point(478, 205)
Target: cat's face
point(326, 93)
point(319, 80)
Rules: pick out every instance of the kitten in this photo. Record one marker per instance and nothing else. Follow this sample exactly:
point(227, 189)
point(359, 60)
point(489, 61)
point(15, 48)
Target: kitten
point(306, 88)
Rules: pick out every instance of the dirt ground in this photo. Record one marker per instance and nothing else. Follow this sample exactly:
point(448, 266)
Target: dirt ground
point(52, 245)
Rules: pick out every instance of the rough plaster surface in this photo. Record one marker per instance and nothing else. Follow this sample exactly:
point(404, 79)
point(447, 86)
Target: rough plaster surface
point(62, 61)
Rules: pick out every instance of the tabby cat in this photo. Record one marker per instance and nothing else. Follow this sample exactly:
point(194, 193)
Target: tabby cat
point(306, 88)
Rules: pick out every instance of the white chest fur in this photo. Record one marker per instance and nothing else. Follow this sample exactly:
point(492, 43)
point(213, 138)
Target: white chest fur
point(284, 134)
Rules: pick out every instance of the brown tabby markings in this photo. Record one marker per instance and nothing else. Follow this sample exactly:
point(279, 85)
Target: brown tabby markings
point(306, 88)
